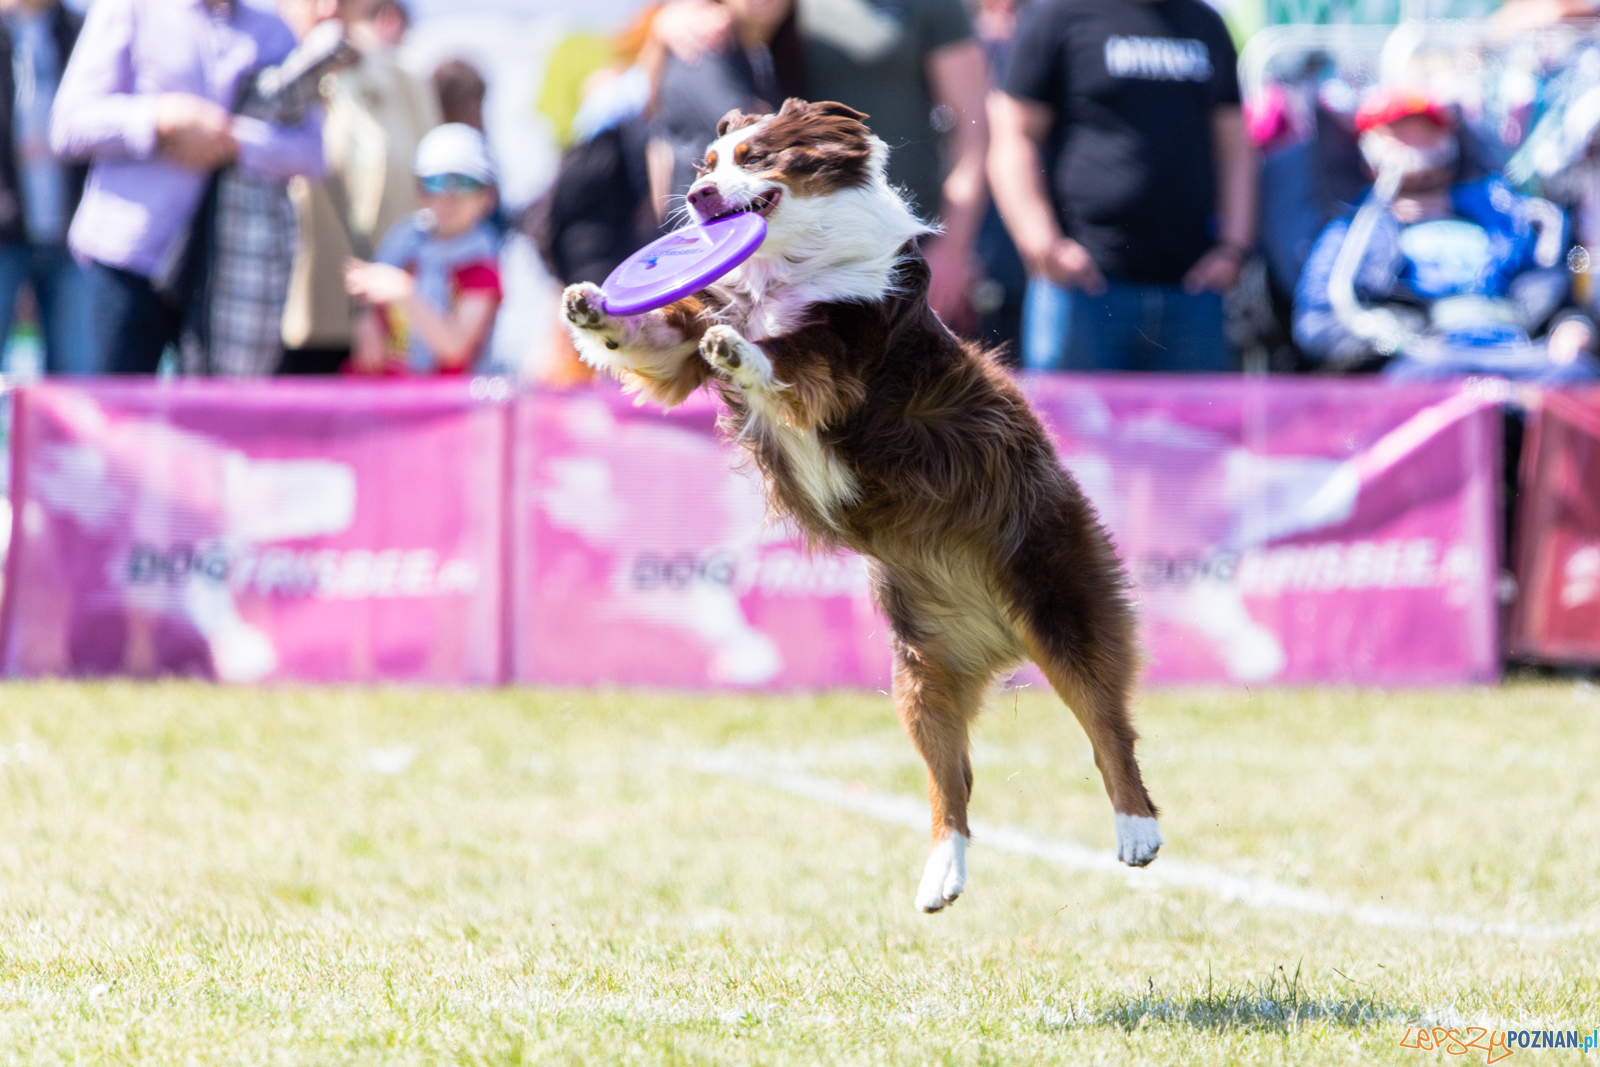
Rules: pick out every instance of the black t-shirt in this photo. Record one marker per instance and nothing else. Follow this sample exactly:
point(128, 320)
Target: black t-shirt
point(1133, 84)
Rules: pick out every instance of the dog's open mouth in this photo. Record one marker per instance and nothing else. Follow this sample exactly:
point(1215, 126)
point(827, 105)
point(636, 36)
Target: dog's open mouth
point(761, 205)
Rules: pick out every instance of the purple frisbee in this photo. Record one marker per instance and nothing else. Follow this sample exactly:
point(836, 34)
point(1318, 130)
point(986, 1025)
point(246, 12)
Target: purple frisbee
point(683, 262)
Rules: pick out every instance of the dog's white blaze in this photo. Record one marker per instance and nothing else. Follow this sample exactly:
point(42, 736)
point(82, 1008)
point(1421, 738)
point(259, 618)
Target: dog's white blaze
point(944, 876)
point(840, 246)
point(1138, 839)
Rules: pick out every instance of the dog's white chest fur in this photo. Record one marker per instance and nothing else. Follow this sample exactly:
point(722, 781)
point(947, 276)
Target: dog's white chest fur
point(814, 471)
point(825, 482)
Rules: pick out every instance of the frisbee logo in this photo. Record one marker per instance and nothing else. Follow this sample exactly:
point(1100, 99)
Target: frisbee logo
point(651, 261)
point(682, 248)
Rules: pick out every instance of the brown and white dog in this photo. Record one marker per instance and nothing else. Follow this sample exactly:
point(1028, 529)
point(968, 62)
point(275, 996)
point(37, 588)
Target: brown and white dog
point(877, 430)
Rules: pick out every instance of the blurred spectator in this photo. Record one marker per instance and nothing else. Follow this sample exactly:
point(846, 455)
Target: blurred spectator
point(917, 72)
point(920, 75)
point(434, 288)
point(39, 193)
point(752, 64)
point(253, 233)
point(1132, 110)
point(599, 210)
point(376, 115)
point(998, 295)
point(146, 98)
point(461, 92)
point(1436, 276)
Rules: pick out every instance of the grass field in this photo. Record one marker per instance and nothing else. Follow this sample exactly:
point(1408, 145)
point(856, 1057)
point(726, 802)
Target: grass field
point(234, 876)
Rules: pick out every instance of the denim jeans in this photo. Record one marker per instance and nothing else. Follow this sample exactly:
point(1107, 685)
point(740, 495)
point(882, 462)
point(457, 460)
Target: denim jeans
point(131, 323)
point(58, 285)
point(1130, 328)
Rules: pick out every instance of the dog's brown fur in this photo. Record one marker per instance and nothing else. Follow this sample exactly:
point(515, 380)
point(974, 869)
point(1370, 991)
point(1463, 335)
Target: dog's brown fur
point(983, 548)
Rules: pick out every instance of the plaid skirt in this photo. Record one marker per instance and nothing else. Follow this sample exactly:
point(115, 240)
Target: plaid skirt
point(252, 252)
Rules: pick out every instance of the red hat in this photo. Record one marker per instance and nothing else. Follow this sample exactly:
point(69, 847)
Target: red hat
point(1389, 103)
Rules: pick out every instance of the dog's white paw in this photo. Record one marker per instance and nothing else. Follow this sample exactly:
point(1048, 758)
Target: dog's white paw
point(744, 363)
point(1138, 839)
point(584, 305)
point(945, 874)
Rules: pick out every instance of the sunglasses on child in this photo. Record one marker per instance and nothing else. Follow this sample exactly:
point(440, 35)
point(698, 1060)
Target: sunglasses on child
point(434, 184)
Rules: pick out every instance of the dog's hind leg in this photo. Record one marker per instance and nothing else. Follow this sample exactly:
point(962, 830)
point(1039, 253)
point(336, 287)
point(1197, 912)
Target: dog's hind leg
point(1078, 627)
point(935, 705)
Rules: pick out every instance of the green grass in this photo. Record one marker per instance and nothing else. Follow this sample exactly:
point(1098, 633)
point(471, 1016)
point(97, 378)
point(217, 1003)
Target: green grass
point(241, 876)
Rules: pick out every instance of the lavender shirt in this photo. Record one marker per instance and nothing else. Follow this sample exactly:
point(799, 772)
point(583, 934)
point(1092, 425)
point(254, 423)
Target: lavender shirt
point(138, 204)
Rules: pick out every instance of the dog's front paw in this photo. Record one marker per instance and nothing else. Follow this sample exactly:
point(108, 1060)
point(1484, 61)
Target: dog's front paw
point(741, 361)
point(584, 305)
point(944, 876)
point(1138, 839)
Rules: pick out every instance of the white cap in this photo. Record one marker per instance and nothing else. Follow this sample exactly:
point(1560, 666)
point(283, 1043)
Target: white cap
point(454, 148)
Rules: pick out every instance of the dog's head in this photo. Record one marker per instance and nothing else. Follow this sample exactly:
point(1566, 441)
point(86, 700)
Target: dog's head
point(805, 150)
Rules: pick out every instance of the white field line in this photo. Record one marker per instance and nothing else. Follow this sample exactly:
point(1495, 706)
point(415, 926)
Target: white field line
point(1251, 892)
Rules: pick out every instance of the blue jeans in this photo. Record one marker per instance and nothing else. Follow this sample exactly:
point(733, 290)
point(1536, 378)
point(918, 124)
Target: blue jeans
point(1130, 328)
point(131, 323)
point(58, 285)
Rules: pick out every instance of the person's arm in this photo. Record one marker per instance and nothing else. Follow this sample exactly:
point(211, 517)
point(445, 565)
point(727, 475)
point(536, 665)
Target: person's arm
point(280, 151)
point(1237, 175)
point(1316, 327)
point(455, 337)
point(959, 76)
point(96, 114)
point(1017, 178)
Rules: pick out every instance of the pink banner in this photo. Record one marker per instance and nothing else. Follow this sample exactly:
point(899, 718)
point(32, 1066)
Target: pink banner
point(1287, 531)
point(310, 531)
point(1295, 530)
point(646, 559)
point(1557, 613)
point(1279, 531)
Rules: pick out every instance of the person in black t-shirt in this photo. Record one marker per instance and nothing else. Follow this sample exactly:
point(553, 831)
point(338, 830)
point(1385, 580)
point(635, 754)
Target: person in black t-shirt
point(1120, 164)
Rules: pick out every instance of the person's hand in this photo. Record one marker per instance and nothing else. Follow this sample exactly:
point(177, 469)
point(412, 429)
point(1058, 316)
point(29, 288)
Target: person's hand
point(194, 133)
point(1217, 271)
point(950, 284)
point(1569, 340)
point(690, 29)
point(1069, 265)
point(377, 283)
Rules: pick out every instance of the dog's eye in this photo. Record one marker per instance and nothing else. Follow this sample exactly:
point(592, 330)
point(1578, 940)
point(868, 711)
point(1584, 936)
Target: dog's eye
point(745, 156)
point(708, 166)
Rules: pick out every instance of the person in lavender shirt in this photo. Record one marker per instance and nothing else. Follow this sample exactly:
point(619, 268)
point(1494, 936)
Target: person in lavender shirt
point(147, 100)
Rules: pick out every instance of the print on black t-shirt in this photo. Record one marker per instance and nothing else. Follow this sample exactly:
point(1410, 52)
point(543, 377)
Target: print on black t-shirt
point(1133, 85)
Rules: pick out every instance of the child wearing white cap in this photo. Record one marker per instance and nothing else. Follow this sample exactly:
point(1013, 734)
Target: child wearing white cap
point(434, 288)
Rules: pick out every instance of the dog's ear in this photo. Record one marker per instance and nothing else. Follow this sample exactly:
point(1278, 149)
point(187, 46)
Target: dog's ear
point(843, 111)
point(821, 107)
point(736, 120)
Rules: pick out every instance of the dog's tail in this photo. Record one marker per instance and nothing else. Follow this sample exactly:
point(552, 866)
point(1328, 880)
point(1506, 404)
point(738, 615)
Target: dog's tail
point(1070, 593)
